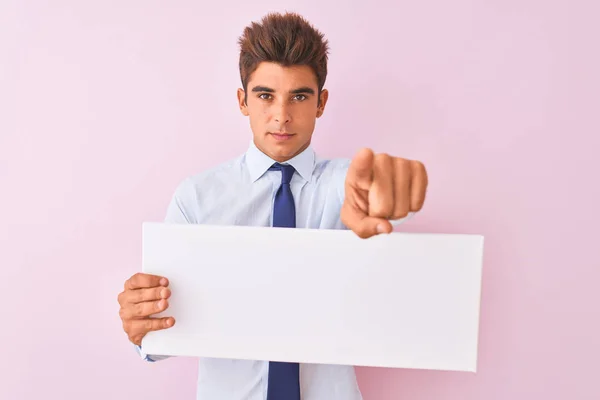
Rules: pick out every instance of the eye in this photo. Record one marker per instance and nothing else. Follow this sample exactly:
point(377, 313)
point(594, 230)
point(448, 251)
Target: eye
point(264, 96)
point(299, 97)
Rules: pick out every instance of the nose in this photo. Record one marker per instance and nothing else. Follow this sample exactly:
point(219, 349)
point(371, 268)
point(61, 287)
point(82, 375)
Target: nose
point(282, 113)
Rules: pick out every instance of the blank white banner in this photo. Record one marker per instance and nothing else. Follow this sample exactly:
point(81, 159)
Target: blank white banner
point(317, 296)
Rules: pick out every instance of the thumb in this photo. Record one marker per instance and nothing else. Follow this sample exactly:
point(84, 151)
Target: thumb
point(363, 225)
point(360, 171)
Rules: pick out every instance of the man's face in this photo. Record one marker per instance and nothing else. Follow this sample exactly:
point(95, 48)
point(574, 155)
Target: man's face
point(283, 105)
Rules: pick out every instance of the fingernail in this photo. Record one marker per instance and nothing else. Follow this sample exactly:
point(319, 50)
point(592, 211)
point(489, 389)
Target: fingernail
point(163, 282)
point(163, 293)
point(381, 228)
point(169, 322)
point(160, 304)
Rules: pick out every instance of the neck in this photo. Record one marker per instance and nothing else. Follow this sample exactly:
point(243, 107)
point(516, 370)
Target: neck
point(283, 159)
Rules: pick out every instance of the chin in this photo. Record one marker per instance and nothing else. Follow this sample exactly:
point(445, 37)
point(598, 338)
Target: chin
point(282, 150)
point(282, 153)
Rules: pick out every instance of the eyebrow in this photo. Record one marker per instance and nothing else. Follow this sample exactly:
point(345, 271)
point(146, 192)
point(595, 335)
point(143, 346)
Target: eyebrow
point(301, 90)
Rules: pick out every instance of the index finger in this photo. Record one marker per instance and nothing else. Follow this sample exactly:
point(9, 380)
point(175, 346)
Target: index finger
point(141, 280)
point(360, 170)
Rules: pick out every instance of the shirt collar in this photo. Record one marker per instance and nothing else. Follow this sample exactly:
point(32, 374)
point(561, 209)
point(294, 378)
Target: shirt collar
point(258, 162)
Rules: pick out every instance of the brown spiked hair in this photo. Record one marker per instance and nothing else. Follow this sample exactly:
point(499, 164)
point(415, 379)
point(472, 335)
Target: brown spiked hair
point(287, 39)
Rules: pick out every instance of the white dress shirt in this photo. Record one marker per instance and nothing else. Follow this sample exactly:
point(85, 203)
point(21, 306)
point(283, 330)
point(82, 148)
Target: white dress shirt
point(242, 192)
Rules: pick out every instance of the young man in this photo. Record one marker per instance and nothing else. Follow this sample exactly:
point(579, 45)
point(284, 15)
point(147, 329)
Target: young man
point(280, 182)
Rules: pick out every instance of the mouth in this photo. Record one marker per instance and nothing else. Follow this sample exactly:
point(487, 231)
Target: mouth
point(279, 136)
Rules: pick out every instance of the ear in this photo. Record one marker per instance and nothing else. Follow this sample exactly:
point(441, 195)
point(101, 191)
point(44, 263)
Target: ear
point(322, 102)
point(241, 95)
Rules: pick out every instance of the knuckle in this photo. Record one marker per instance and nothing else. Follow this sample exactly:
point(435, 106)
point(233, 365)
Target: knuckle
point(160, 305)
point(400, 214)
point(362, 232)
point(148, 325)
point(139, 295)
point(382, 159)
point(138, 309)
point(382, 207)
point(129, 282)
point(401, 163)
point(161, 323)
point(379, 211)
point(137, 339)
point(418, 206)
point(402, 208)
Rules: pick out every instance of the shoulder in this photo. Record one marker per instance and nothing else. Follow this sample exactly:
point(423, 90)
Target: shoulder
point(202, 187)
point(228, 171)
point(331, 167)
point(331, 173)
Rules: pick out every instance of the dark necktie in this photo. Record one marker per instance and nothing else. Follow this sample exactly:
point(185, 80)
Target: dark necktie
point(284, 377)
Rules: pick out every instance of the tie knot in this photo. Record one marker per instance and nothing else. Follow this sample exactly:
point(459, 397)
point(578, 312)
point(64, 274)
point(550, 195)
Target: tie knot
point(287, 171)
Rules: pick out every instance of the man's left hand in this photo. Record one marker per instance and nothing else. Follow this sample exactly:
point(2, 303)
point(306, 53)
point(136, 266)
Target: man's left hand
point(380, 188)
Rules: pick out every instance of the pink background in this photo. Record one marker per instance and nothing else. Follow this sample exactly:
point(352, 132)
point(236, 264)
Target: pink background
point(105, 106)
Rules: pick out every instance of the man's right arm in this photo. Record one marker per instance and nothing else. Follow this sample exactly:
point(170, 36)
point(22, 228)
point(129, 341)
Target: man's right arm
point(145, 295)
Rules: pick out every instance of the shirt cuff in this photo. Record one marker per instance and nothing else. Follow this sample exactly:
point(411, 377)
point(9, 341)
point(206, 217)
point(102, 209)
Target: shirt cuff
point(144, 356)
point(148, 357)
